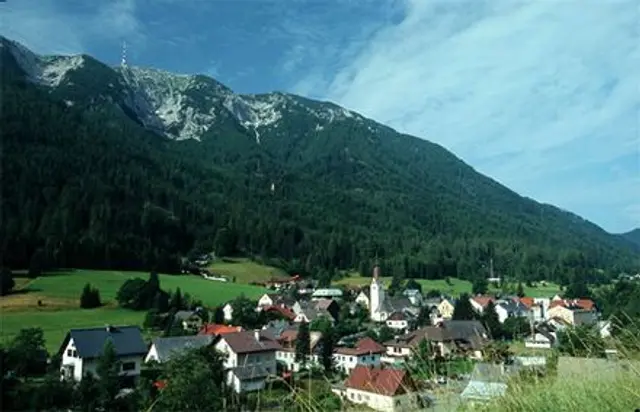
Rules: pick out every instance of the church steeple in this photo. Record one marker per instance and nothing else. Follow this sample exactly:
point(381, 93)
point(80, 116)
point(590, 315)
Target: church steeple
point(376, 296)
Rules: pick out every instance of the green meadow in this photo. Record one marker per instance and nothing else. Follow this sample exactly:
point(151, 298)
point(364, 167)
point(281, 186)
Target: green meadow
point(51, 301)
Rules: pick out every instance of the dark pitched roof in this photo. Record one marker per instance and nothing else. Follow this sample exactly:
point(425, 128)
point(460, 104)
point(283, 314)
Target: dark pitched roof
point(324, 304)
point(365, 346)
point(166, 348)
point(127, 340)
point(396, 304)
point(184, 314)
point(397, 315)
point(246, 342)
point(380, 380)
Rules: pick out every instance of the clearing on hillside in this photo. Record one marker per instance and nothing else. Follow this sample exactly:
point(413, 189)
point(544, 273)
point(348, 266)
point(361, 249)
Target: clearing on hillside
point(245, 270)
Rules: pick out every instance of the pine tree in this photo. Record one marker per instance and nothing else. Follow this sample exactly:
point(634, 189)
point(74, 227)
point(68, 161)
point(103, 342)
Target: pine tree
point(303, 344)
point(520, 291)
point(108, 371)
point(176, 300)
point(327, 350)
point(491, 321)
point(90, 297)
point(463, 309)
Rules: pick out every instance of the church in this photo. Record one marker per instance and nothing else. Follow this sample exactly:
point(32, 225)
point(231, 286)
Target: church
point(382, 306)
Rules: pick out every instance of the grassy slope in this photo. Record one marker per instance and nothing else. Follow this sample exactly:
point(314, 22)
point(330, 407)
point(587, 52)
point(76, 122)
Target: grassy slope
point(59, 294)
point(457, 286)
point(245, 270)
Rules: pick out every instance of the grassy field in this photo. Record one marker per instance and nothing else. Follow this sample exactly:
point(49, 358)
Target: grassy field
point(245, 270)
point(59, 295)
point(456, 287)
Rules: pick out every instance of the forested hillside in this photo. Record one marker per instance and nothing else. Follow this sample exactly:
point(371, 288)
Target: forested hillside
point(88, 183)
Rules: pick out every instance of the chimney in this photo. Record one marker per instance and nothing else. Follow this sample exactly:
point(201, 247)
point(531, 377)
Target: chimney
point(256, 334)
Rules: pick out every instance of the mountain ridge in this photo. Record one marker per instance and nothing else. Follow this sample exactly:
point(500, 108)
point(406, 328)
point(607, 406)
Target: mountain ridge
point(347, 188)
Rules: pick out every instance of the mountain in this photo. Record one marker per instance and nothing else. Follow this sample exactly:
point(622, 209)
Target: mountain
point(131, 168)
point(633, 236)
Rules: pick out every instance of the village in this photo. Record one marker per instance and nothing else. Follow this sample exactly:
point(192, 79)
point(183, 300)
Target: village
point(396, 353)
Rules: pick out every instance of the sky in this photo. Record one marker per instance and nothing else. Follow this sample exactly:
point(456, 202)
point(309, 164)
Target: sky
point(541, 95)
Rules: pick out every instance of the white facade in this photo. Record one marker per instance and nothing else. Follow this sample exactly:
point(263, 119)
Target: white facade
point(502, 313)
point(265, 300)
point(397, 353)
point(346, 362)
point(363, 299)
point(378, 402)
point(398, 325)
point(76, 368)
point(376, 297)
point(538, 341)
point(227, 310)
point(266, 360)
point(288, 359)
point(152, 355)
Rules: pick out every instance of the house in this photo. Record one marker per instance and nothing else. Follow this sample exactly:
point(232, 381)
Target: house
point(574, 311)
point(286, 355)
point(446, 308)
point(480, 302)
point(508, 308)
point(363, 298)
point(216, 329)
point(448, 337)
point(381, 305)
point(414, 296)
point(274, 299)
point(227, 310)
point(328, 305)
point(541, 339)
point(273, 329)
point(399, 321)
point(310, 311)
point(365, 352)
point(488, 381)
point(380, 388)
point(82, 348)
point(331, 293)
point(281, 311)
point(163, 349)
point(250, 359)
point(190, 320)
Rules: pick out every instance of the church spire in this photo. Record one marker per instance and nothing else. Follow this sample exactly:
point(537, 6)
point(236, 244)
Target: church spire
point(376, 272)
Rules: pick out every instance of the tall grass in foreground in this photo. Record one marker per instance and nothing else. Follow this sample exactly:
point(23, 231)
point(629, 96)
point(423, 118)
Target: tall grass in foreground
point(583, 382)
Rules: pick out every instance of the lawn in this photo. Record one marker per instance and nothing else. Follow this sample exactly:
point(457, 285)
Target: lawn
point(52, 301)
point(245, 270)
point(56, 323)
point(455, 288)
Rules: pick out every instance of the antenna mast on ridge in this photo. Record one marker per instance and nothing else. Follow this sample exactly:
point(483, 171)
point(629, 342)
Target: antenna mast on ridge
point(123, 62)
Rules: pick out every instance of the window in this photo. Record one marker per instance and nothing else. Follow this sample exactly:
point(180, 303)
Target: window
point(69, 352)
point(128, 366)
point(359, 397)
point(351, 359)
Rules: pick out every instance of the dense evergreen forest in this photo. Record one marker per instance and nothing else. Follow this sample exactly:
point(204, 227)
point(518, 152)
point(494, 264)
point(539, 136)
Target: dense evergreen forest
point(85, 185)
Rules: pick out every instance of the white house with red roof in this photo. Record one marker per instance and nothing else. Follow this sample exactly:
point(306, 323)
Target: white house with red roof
point(286, 355)
point(250, 359)
point(366, 352)
point(480, 302)
point(574, 311)
point(380, 388)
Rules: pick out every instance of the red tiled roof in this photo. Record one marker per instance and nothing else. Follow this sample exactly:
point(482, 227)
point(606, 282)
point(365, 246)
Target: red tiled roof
point(216, 329)
point(286, 312)
point(527, 301)
point(380, 380)
point(584, 304)
point(364, 346)
point(161, 384)
point(483, 300)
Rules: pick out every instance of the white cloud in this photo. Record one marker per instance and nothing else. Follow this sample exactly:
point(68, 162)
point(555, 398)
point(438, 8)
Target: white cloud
point(47, 27)
point(521, 90)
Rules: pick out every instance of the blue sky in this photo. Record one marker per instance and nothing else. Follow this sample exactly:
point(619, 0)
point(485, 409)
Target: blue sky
point(542, 95)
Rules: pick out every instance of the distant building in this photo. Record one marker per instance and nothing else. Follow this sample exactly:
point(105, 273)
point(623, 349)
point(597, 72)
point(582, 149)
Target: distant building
point(163, 349)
